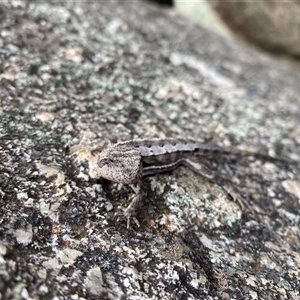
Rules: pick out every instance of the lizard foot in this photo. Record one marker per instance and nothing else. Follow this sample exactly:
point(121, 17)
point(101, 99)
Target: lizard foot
point(238, 198)
point(130, 211)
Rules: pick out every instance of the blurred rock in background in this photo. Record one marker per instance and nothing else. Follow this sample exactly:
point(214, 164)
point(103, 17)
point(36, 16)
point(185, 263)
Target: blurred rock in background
point(202, 13)
point(273, 26)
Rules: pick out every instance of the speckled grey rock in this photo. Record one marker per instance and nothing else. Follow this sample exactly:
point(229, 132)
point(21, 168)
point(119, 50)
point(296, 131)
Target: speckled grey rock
point(79, 73)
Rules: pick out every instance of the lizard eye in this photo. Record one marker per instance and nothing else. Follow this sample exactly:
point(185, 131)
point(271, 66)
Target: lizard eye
point(103, 162)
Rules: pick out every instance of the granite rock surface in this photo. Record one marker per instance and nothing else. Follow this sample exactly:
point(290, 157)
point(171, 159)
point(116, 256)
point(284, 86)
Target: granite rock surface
point(75, 74)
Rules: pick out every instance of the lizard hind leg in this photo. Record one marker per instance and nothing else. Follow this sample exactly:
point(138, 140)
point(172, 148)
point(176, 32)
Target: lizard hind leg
point(212, 176)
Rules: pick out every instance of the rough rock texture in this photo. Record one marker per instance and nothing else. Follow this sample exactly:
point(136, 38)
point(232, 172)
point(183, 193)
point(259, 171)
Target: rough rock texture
point(78, 73)
point(272, 25)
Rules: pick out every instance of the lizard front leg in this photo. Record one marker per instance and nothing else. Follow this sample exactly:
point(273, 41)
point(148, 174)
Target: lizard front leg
point(131, 210)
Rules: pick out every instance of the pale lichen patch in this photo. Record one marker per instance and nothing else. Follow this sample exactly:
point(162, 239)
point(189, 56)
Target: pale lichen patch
point(292, 187)
point(24, 236)
point(52, 264)
point(68, 256)
point(94, 281)
point(50, 209)
point(3, 250)
point(45, 117)
point(52, 171)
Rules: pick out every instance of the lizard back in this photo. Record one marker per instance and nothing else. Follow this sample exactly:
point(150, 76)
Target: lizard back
point(153, 147)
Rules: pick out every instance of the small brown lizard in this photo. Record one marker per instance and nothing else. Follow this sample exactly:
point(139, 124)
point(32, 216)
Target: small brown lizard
point(128, 162)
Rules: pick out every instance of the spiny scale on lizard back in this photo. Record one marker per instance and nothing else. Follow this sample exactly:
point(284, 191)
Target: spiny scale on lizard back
point(158, 146)
point(154, 147)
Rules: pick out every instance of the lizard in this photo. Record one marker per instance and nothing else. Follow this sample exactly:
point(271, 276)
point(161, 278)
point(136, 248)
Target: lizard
point(128, 162)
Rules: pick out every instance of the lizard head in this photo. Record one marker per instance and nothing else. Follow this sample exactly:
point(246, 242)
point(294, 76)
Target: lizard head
point(120, 165)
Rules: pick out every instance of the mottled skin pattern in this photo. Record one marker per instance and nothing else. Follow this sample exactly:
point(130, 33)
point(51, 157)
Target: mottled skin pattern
point(128, 162)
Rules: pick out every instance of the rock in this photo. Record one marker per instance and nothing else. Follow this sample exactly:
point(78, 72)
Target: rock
point(75, 74)
point(271, 25)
